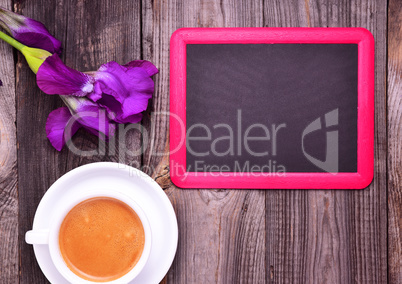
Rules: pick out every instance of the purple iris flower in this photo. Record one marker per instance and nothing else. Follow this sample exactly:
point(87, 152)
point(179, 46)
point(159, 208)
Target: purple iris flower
point(28, 31)
point(121, 92)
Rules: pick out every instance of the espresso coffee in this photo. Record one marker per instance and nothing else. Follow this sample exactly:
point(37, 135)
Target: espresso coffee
point(101, 239)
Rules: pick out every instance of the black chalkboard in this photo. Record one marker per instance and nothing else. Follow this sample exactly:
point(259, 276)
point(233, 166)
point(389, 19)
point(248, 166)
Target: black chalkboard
point(286, 88)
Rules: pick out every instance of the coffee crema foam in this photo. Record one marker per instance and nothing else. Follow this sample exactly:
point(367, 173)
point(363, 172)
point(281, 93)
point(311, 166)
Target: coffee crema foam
point(101, 239)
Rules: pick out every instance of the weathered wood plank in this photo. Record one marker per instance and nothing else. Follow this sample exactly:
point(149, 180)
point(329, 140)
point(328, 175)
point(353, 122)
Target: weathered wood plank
point(367, 232)
point(221, 236)
point(394, 141)
point(92, 34)
point(332, 236)
point(8, 165)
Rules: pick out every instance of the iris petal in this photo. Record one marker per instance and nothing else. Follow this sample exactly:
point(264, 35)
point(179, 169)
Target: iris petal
point(133, 105)
point(56, 125)
point(135, 118)
point(144, 64)
point(54, 77)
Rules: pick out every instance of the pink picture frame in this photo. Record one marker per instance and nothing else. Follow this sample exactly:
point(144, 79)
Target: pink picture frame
point(300, 180)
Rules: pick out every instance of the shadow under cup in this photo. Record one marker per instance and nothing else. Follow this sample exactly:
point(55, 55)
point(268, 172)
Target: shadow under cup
point(93, 238)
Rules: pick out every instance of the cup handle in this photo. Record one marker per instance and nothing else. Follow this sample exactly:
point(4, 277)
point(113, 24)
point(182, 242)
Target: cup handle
point(37, 237)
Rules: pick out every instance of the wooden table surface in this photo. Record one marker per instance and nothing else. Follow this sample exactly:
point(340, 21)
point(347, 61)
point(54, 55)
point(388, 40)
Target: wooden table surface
point(225, 236)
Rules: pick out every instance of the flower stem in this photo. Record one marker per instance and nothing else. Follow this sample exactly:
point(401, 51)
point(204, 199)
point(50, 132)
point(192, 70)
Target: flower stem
point(11, 41)
point(67, 103)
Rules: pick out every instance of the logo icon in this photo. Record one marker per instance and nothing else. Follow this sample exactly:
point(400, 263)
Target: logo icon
point(331, 163)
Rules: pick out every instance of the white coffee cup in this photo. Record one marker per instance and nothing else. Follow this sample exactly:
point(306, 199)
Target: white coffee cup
point(50, 236)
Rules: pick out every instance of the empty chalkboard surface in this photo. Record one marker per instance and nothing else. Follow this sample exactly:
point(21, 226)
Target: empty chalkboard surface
point(271, 108)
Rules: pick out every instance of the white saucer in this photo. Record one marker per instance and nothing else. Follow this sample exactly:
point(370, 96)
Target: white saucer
point(143, 189)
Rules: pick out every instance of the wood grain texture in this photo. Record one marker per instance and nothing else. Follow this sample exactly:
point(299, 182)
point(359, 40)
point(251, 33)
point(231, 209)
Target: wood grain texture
point(332, 236)
point(92, 33)
point(222, 232)
point(8, 166)
point(395, 141)
point(225, 236)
